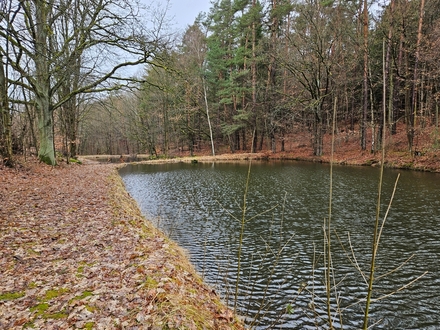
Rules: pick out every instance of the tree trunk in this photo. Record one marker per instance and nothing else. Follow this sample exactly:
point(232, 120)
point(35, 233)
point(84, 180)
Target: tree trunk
point(5, 120)
point(273, 142)
point(254, 83)
point(283, 147)
point(255, 139)
point(365, 81)
point(270, 99)
point(388, 71)
point(317, 139)
point(69, 118)
point(205, 97)
point(413, 114)
point(436, 115)
point(46, 152)
point(401, 80)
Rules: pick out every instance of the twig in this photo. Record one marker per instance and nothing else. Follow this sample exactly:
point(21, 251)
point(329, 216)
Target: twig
point(353, 260)
point(401, 288)
point(395, 269)
point(388, 210)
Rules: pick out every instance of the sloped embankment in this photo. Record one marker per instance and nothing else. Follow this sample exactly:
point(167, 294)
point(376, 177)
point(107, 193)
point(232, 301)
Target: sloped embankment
point(75, 252)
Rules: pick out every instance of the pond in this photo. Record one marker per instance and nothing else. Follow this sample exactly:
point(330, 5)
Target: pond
point(280, 282)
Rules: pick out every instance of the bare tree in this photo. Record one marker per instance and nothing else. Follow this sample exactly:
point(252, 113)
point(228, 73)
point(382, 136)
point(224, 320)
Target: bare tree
point(5, 119)
point(192, 66)
point(311, 62)
point(54, 41)
point(5, 115)
point(365, 94)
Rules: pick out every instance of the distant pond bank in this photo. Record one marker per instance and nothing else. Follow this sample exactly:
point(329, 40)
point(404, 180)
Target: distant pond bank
point(393, 160)
point(199, 206)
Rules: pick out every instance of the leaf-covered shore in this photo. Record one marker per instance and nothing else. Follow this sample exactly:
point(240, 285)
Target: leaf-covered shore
point(75, 253)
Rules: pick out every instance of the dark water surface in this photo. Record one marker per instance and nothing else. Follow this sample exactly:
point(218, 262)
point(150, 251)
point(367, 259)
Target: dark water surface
point(282, 274)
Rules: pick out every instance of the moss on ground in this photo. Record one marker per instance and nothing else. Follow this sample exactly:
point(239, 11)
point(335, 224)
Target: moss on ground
point(12, 295)
point(54, 293)
point(40, 309)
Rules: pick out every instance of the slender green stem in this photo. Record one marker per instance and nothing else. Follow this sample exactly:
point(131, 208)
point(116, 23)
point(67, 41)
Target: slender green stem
point(376, 225)
point(374, 250)
point(240, 242)
point(327, 240)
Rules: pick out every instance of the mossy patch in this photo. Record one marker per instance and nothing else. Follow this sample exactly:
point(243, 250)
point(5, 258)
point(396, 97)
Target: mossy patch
point(82, 266)
point(40, 308)
point(51, 294)
point(29, 325)
point(91, 309)
point(80, 271)
point(56, 316)
point(83, 295)
point(89, 325)
point(12, 295)
point(33, 252)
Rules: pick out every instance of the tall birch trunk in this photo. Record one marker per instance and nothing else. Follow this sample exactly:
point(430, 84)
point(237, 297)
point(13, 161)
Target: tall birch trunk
point(413, 115)
point(365, 79)
point(254, 85)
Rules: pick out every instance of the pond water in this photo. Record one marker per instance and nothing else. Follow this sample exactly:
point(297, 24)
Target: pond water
point(281, 269)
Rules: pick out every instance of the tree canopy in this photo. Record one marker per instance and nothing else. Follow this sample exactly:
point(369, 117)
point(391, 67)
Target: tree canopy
point(245, 76)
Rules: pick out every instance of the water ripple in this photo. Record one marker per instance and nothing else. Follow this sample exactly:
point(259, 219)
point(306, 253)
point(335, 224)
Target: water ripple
point(282, 274)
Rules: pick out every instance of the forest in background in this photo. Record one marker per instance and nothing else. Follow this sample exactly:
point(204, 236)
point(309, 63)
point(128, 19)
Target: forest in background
point(246, 76)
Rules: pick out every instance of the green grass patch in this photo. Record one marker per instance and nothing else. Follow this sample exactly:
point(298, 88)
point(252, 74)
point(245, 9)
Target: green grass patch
point(73, 160)
point(150, 283)
point(12, 295)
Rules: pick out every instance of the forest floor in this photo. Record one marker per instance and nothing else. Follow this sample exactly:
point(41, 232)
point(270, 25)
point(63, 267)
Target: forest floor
point(347, 150)
point(75, 253)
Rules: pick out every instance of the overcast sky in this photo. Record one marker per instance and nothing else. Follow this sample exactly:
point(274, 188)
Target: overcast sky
point(185, 12)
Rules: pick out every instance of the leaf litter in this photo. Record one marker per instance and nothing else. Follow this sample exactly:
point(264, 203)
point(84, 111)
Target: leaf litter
point(76, 253)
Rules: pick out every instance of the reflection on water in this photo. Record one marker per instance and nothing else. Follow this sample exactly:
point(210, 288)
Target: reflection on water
point(281, 278)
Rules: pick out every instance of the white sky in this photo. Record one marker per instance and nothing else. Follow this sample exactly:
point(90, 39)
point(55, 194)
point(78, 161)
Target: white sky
point(185, 12)
point(182, 12)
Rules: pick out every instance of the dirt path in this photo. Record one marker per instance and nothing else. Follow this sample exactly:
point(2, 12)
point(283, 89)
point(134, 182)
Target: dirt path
point(76, 253)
